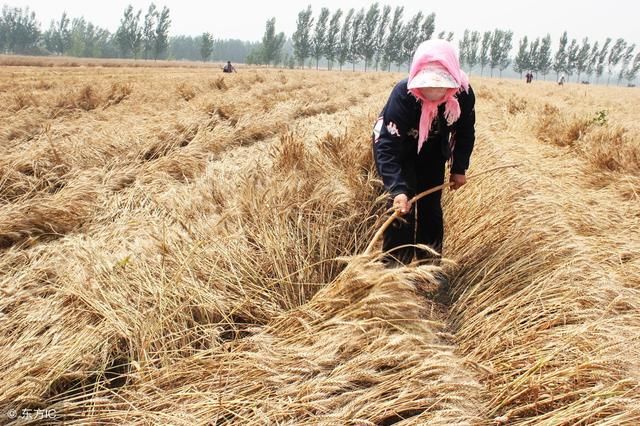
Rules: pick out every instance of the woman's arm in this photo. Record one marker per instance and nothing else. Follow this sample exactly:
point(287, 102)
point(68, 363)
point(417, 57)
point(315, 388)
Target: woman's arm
point(390, 134)
point(464, 134)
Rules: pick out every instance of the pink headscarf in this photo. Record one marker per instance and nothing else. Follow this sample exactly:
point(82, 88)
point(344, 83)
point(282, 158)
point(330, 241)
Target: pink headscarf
point(442, 54)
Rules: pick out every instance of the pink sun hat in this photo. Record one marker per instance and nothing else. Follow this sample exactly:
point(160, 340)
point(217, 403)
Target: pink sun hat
point(433, 75)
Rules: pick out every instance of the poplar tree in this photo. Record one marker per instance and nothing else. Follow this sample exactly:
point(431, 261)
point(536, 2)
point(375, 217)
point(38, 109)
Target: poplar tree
point(560, 60)
point(320, 35)
point(394, 40)
point(582, 60)
point(345, 38)
point(368, 34)
point(381, 34)
point(544, 56)
point(485, 47)
point(522, 61)
point(332, 41)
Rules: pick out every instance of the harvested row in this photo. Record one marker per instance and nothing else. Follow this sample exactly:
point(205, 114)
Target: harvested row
point(548, 289)
point(198, 299)
point(203, 267)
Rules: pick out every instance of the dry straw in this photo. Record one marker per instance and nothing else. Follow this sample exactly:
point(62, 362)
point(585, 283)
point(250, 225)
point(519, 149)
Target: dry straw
point(192, 262)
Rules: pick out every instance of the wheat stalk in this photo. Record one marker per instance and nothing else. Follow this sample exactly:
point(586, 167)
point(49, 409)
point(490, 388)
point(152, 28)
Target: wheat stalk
point(396, 214)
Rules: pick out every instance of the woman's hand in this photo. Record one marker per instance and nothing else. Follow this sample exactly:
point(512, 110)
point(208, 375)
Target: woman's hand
point(401, 204)
point(458, 180)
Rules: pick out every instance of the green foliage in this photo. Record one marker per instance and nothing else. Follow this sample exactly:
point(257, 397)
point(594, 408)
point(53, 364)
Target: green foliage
point(129, 34)
point(318, 43)
point(472, 55)
point(627, 56)
point(583, 57)
point(369, 46)
point(522, 61)
point(632, 73)
point(544, 56)
point(505, 49)
point(534, 55)
point(271, 44)
point(394, 40)
point(600, 118)
point(19, 30)
point(572, 57)
point(301, 37)
point(356, 42)
point(255, 57)
point(484, 50)
point(148, 33)
point(410, 39)
point(428, 27)
point(161, 41)
point(187, 47)
point(615, 55)
point(332, 43)
point(206, 47)
point(499, 49)
point(345, 38)
point(593, 59)
point(560, 60)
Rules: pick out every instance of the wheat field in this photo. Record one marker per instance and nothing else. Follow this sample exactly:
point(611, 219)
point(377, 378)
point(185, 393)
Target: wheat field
point(183, 248)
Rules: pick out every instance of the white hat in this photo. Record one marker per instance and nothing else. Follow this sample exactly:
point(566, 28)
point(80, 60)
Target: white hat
point(432, 76)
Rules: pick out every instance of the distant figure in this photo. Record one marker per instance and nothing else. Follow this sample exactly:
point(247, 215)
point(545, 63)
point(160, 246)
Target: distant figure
point(229, 67)
point(561, 80)
point(529, 77)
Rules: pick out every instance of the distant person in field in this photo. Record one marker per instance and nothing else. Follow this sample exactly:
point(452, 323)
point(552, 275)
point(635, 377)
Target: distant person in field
point(429, 119)
point(529, 77)
point(561, 80)
point(229, 67)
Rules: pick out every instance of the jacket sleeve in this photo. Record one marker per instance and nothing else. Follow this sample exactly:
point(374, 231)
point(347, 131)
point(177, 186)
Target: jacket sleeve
point(464, 135)
point(390, 135)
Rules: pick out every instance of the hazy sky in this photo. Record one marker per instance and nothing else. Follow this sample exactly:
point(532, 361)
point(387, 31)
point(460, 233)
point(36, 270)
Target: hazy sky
point(245, 19)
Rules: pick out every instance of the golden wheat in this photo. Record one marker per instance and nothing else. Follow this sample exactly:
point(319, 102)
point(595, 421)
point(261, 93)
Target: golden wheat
point(182, 247)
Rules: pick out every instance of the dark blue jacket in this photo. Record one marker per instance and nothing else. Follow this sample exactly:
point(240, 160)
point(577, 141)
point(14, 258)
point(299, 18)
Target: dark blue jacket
point(395, 138)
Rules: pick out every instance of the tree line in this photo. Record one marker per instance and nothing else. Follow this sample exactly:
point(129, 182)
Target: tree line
point(148, 38)
point(583, 58)
point(374, 37)
point(139, 36)
point(379, 37)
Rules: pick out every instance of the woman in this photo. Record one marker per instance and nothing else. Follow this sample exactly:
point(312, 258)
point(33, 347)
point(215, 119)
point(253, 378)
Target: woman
point(429, 118)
